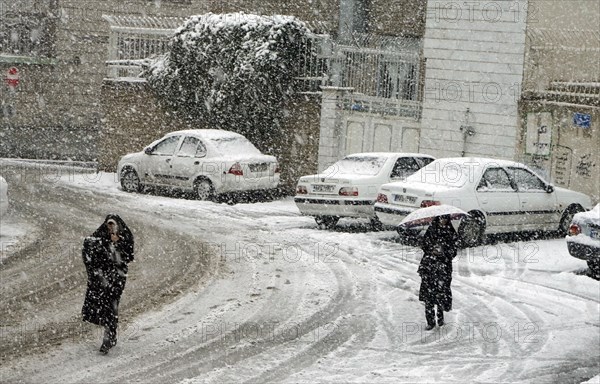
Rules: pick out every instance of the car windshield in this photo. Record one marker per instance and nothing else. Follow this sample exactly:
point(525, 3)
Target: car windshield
point(447, 173)
point(357, 165)
point(236, 145)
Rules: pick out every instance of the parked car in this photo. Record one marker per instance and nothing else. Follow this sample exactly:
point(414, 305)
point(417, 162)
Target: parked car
point(3, 196)
point(500, 196)
point(207, 162)
point(348, 188)
point(583, 239)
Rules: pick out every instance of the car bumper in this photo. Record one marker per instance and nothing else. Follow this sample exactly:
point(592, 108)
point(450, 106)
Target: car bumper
point(334, 207)
point(583, 251)
point(231, 183)
point(390, 215)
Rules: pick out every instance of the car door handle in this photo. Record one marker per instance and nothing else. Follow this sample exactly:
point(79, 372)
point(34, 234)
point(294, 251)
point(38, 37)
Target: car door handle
point(196, 162)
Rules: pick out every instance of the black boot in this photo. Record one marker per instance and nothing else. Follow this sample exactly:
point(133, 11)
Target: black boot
point(429, 316)
point(110, 338)
point(440, 316)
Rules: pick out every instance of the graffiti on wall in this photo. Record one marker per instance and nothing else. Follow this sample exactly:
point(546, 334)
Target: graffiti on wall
point(539, 133)
point(585, 166)
point(562, 165)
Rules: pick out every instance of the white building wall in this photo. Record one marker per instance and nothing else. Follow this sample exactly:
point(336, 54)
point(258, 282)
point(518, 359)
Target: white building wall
point(475, 55)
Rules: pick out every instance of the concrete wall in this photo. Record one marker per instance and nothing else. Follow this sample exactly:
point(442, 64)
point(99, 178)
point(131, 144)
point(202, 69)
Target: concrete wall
point(474, 53)
point(562, 42)
point(562, 46)
point(397, 18)
point(573, 159)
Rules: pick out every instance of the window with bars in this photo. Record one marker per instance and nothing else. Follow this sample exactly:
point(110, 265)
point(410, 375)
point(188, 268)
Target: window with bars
point(384, 75)
point(26, 28)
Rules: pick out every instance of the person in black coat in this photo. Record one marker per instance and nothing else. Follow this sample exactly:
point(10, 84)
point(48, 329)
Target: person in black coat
point(435, 269)
point(106, 255)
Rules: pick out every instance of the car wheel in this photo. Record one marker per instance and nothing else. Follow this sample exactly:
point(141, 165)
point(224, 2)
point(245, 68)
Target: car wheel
point(567, 218)
point(130, 182)
point(327, 222)
point(204, 189)
point(594, 266)
point(471, 230)
point(376, 225)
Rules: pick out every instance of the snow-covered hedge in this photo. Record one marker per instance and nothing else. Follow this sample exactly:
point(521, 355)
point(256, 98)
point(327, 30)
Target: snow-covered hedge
point(231, 70)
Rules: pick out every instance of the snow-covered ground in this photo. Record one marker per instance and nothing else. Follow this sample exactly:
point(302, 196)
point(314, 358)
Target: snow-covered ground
point(292, 303)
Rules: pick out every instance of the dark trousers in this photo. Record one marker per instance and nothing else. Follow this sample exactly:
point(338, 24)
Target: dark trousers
point(110, 327)
point(110, 334)
point(430, 314)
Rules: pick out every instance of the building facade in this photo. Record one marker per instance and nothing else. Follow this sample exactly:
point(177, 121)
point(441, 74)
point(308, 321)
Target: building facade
point(59, 50)
point(559, 108)
point(514, 79)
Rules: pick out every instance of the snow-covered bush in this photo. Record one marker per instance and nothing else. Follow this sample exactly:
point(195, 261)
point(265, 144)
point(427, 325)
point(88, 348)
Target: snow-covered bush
point(232, 71)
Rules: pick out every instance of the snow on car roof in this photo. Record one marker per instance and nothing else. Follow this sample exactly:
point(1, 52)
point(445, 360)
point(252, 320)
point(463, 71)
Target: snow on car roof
point(388, 154)
point(593, 215)
point(206, 133)
point(479, 161)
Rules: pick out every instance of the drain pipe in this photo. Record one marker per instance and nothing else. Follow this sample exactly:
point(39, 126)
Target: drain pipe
point(467, 131)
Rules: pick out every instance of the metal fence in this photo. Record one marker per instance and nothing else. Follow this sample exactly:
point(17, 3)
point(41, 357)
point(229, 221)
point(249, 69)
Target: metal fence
point(134, 39)
point(384, 73)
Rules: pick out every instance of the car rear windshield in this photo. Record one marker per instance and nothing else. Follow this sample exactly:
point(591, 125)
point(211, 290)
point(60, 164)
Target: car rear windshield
point(234, 146)
point(357, 165)
point(447, 173)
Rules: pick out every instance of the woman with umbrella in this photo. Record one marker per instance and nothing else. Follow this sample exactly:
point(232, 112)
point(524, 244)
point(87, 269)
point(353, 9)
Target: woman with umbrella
point(435, 269)
point(106, 255)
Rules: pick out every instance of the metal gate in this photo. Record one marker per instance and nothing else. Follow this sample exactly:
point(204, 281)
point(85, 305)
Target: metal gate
point(362, 133)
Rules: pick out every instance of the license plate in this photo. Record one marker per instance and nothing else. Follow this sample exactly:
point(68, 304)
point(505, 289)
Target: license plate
point(405, 199)
point(323, 188)
point(258, 167)
point(594, 234)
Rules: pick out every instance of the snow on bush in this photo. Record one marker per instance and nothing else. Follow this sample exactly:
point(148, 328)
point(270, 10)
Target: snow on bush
point(232, 71)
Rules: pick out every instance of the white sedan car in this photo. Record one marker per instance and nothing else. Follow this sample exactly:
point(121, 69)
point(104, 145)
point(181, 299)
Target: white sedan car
point(501, 196)
point(205, 161)
point(583, 239)
point(348, 188)
point(3, 196)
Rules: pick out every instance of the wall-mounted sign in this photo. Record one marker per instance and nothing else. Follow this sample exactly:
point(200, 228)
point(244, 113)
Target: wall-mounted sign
point(11, 78)
point(582, 120)
point(539, 133)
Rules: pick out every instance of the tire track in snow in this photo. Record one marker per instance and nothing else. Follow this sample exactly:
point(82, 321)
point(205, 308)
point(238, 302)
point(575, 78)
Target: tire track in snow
point(59, 279)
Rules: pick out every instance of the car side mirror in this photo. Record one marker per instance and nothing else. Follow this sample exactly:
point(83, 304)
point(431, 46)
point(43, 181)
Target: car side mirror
point(148, 150)
point(549, 188)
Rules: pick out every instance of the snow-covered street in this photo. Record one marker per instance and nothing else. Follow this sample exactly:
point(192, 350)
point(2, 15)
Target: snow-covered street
point(254, 292)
